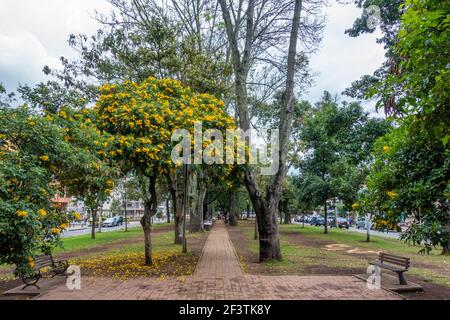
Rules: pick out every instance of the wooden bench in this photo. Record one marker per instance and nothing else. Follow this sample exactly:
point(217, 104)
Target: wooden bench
point(41, 264)
point(393, 263)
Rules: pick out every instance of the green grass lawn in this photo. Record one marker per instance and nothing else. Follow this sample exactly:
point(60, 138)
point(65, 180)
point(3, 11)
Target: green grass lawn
point(304, 252)
point(358, 239)
point(162, 242)
point(300, 258)
point(433, 267)
point(85, 241)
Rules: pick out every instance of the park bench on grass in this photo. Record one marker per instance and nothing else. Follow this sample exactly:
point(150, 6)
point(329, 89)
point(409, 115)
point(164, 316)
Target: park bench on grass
point(43, 263)
point(394, 263)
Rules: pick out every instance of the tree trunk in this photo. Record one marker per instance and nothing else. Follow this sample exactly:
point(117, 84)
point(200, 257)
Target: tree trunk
point(287, 217)
point(325, 209)
point(446, 249)
point(368, 225)
point(150, 209)
point(177, 202)
point(266, 208)
point(197, 214)
point(94, 220)
point(168, 209)
point(100, 220)
point(287, 212)
point(266, 217)
point(256, 228)
point(125, 205)
point(186, 175)
point(232, 219)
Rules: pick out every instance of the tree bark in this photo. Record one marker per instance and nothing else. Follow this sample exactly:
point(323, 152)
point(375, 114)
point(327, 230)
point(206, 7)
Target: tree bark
point(197, 214)
point(446, 249)
point(287, 217)
point(125, 205)
point(325, 209)
point(232, 219)
point(94, 220)
point(186, 174)
point(168, 209)
point(177, 201)
point(368, 225)
point(150, 209)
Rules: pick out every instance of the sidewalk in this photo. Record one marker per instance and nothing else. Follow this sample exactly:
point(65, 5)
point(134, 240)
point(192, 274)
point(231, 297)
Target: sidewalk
point(219, 276)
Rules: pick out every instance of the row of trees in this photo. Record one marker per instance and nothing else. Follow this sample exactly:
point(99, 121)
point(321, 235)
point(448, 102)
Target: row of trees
point(151, 69)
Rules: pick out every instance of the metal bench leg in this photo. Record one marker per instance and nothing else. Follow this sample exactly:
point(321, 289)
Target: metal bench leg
point(30, 285)
point(402, 279)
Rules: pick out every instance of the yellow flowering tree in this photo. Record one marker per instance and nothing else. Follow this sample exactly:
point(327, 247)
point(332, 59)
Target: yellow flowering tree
point(31, 146)
point(93, 179)
point(141, 118)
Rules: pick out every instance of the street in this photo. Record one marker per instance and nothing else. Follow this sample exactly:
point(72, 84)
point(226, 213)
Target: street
point(87, 230)
point(390, 234)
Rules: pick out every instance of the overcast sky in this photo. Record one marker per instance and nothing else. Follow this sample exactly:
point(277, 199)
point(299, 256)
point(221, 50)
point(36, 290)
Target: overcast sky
point(34, 33)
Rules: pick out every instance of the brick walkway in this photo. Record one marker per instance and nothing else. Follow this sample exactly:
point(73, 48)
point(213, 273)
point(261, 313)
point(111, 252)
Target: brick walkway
point(219, 276)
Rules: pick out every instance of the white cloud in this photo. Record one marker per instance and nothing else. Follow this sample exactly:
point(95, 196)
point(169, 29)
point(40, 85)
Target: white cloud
point(35, 33)
point(22, 58)
point(342, 59)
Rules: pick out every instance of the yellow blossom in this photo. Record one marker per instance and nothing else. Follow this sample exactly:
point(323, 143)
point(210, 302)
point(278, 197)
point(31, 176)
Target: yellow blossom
point(77, 216)
point(42, 212)
point(392, 194)
point(44, 158)
point(64, 226)
point(22, 213)
point(31, 262)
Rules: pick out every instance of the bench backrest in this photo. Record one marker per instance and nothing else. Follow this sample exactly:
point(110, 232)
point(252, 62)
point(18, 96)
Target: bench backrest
point(43, 261)
point(395, 260)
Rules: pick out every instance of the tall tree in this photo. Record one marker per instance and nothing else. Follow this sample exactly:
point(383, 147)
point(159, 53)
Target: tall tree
point(251, 33)
point(141, 117)
point(338, 141)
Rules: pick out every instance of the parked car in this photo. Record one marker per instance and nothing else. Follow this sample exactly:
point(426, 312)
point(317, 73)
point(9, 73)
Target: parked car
point(317, 221)
point(361, 223)
point(120, 221)
point(111, 222)
point(343, 223)
point(298, 219)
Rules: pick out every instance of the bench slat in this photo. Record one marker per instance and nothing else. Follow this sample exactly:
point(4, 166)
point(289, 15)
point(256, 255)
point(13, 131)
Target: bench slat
point(394, 259)
point(386, 255)
point(389, 267)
